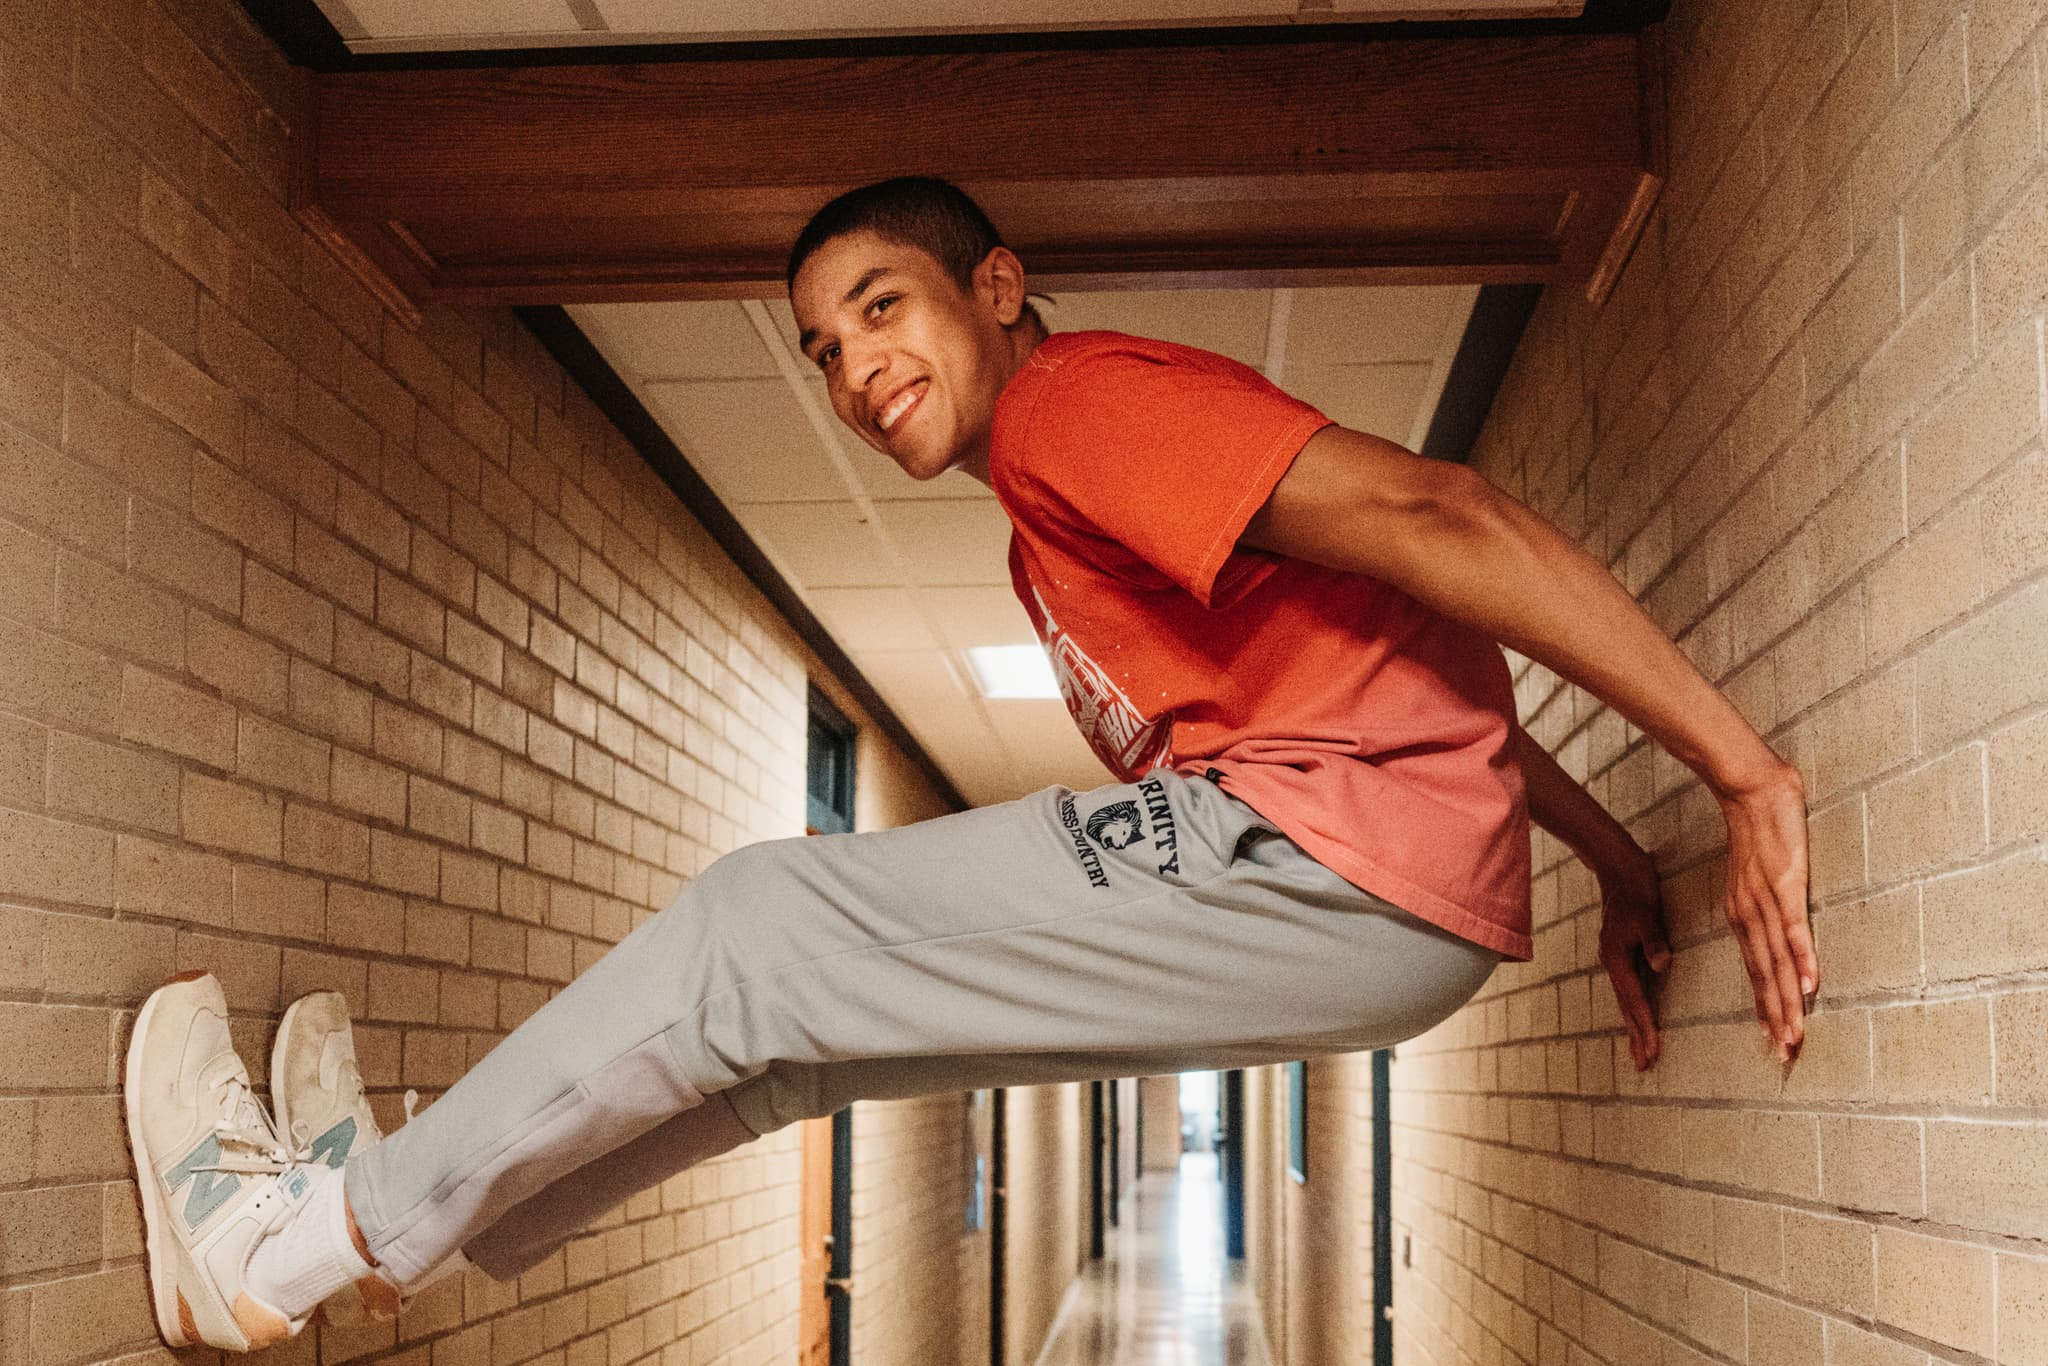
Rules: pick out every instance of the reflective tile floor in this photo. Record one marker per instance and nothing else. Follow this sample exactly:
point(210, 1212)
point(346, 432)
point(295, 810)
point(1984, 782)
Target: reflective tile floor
point(1163, 1294)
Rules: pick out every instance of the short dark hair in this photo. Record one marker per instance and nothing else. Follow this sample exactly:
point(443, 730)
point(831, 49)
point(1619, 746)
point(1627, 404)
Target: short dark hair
point(935, 216)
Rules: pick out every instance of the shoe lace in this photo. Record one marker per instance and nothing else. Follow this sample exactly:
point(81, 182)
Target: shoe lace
point(300, 1148)
point(248, 1138)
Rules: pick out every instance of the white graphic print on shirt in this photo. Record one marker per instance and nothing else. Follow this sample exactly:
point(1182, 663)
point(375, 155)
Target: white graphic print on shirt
point(1126, 740)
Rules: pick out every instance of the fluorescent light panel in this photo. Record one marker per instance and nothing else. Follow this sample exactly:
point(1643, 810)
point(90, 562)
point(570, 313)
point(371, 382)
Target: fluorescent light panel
point(1012, 671)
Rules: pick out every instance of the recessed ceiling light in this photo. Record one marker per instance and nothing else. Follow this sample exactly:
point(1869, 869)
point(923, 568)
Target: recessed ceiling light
point(1012, 671)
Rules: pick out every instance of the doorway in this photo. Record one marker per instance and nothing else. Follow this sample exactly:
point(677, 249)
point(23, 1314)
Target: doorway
point(825, 1234)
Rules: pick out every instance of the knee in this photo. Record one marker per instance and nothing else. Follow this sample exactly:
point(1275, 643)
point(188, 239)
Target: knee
point(772, 1099)
point(744, 875)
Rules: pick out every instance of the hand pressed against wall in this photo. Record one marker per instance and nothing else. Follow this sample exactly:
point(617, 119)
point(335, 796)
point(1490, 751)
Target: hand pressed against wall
point(1767, 891)
point(1635, 951)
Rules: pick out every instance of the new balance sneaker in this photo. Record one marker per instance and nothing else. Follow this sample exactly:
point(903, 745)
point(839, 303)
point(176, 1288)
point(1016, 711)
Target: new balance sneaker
point(323, 1116)
point(212, 1176)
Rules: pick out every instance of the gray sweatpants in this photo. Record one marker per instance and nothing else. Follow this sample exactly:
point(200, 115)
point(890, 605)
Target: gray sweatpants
point(1137, 929)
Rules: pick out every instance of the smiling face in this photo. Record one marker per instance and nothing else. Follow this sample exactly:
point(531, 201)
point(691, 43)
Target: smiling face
point(913, 362)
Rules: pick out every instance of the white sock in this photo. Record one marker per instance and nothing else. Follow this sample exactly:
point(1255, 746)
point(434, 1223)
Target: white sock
point(311, 1257)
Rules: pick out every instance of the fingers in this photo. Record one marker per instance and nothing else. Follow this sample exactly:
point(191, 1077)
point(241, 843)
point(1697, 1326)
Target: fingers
point(1793, 939)
point(1772, 976)
point(1756, 961)
point(1620, 961)
point(1784, 981)
point(1799, 929)
point(1800, 938)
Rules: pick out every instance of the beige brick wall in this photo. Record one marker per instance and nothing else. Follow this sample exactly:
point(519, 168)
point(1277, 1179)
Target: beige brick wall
point(338, 655)
point(1329, 1303)
point(909, 1210)
point(1805, 431)
point(1268, 1205)
point(1046, 1237)
point(1159, 1098)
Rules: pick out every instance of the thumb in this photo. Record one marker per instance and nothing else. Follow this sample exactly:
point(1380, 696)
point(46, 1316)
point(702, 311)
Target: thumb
point(1658, 950)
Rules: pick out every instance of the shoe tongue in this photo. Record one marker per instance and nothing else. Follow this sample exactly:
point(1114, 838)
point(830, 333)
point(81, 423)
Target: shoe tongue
point(248, 1113)
point(334, 1050)
point(223, 1067)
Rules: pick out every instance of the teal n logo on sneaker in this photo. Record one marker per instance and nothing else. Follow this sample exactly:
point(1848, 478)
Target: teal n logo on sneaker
point(332, 1147)
point(210, 1189)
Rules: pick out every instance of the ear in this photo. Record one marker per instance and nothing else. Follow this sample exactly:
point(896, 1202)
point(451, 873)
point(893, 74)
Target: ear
point(999, 283)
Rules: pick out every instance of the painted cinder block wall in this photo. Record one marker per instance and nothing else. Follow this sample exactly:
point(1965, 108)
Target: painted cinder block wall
point(1046, 1231)
point(1805, 431)
point(335, 654)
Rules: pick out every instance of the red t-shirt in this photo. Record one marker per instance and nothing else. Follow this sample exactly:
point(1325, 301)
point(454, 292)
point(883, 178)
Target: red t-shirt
point(1370, 728)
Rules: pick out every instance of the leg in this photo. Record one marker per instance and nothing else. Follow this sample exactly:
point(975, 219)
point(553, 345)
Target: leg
point(786, 1092)
point(1116, 922)
point(543, 1222)
point(1399, 976)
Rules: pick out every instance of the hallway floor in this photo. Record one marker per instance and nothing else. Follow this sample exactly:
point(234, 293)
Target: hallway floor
point(1164, 1294)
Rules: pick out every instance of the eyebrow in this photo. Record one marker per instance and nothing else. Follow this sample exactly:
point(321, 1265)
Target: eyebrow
point(860, 287)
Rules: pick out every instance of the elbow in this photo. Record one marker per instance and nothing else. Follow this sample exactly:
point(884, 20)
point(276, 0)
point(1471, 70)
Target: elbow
point(1460, 490)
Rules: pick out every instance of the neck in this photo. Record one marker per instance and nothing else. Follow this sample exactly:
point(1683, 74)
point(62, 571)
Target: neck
point(1024, 337)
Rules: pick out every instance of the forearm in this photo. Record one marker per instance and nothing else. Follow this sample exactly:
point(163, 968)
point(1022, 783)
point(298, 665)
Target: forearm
point(1506, 571)
point(1560, 805)
point(1446, 537)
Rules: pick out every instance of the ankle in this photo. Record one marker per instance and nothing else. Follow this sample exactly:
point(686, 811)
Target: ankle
point(356, 1234)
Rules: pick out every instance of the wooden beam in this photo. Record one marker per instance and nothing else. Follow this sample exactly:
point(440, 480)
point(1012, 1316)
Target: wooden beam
point(1490, 160)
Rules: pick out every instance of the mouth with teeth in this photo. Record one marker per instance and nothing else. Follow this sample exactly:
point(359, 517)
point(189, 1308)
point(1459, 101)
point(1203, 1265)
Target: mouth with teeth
point(892, 414)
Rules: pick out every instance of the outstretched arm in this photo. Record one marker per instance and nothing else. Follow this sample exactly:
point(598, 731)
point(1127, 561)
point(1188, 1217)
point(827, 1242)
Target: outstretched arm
point(1443, 535)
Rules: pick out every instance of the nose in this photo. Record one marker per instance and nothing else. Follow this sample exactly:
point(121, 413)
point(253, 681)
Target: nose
point(862, 366)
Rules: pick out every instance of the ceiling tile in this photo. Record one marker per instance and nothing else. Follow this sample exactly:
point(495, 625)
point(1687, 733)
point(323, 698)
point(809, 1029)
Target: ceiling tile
point(785, 322)
point(1229, 321)
point(872, 618)
point(824, 545)
point(771, 16)
point(1351, 326)
point(968, 617)
point(702, 340)
point(1045, 745)
point(985, 780)
point(880, 477)
point(958, 541)
point(749, 439)
point(923, 680)
point(920, 688)
point(1380, 399)
point(1080, 772)
point(1467, 9)
point(404, 18)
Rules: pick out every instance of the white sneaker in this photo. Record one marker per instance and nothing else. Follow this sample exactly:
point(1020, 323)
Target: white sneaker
point(323, 1116)
point(211, 1173)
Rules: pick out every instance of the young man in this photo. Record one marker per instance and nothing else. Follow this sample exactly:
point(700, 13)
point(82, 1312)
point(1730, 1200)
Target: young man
point(1278, 634)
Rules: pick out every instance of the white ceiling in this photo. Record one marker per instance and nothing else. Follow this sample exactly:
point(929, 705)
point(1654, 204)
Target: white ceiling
point(433, 25)
point(907, 576)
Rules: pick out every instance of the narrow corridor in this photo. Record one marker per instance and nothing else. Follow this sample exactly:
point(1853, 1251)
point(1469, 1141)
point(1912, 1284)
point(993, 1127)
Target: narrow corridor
point(1164, 1294)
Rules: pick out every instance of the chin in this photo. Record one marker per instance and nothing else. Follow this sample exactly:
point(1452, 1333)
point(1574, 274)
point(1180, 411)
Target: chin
point(923, 466)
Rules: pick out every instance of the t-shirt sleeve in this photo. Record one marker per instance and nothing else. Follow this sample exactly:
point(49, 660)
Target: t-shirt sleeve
point(1168, 455)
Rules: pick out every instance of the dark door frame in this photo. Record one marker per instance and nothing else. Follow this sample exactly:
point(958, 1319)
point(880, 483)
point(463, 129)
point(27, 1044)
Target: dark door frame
point(839, 1277)
point(1116, 1150)
point(998, 1221)
point(1382, 1208)
point(1230, 1142)
point(1098, 1128)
